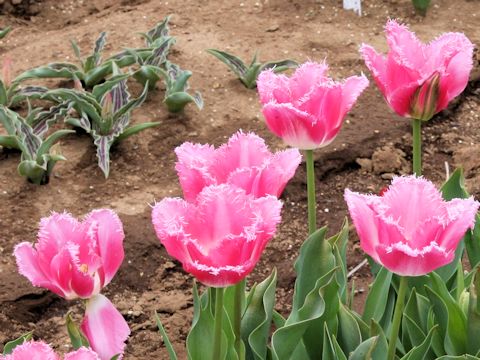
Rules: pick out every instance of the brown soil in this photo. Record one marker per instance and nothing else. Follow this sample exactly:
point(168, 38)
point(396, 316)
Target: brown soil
point(373, 145)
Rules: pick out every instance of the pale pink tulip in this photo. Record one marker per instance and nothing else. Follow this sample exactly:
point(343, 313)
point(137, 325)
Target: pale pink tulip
point(410, 230)
point(31, 350)
point(244, 161)
point(73, 259)
point(104, 327)
point(419, 80)
point(308, 109)
point(38, 350)
point(220, 238)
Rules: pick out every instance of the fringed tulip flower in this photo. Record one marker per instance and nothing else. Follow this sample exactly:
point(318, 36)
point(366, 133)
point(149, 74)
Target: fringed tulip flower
point(74, 259)
point(244, 161)
point(220, 238)
point(410, 230)
point(38, 350)
point(104, 327)
point(307, 109)
point(419, 80)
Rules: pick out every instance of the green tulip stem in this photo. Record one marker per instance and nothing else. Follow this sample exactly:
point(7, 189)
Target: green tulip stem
point(417, 146)
point(312, 214)
point(217, 334)
point(237, 314)
point(397, 317)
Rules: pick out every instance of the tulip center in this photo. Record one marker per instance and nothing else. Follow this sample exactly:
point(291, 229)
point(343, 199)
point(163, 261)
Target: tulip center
point(84, 268)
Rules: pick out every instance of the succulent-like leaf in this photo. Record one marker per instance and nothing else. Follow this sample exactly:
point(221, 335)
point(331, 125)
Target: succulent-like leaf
point(49, 141)
point(9, 141)
point(44, 119)
point(132, 130)
point(132, 104)
point(9, 346)
point(3, 94)
point(81, 101)
point(76, 50)
point(421, 352)
point(100, 90)
point(234, 63)
point(160, 30)
point(280, 65)
point(160, 53)
point(94, 60)
point(54, 70)
point(176, 102)
point(103, 144)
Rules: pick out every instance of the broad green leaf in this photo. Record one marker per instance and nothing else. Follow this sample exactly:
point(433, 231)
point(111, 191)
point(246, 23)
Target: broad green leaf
point(166, 340)
point(331, 348)
point(3, 94)
point(9, 346)
point(176, 102)
point(280, 65)
point(421, 351)
point(349, 334)
point(377, 298)
point(472, 243)
point(32, 171)
point(339, 244)
point(449, 316)
point(101, 89)
point(257, 319)
point(473, 318)
point(365, 350)
point(98, 74)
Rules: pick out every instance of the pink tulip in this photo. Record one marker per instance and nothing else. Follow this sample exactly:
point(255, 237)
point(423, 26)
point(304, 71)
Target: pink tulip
point(82, 354)
point(38, 350)
point(419, 80)
point(410, 230)
point(244, 161)
point(73, 259)
point(307, 110)
point(104, 327)
point(31, 350)
point(220, 238)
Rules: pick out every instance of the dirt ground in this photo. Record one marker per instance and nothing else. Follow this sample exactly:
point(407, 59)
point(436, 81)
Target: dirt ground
point(373, 145)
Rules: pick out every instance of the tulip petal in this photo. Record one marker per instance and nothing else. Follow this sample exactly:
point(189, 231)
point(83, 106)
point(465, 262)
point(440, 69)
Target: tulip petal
point(306, 79)
point(292, 125)
point(365, 220)
point(460, 217)
point(241, 151)
point(104, 327)
point(377, 64)
point(404, 46)
point(405, 261)
point(32, 350)
point(28, 265)
point(107, 231)
point(273, 87)
point(193, 168)
point(82, 354)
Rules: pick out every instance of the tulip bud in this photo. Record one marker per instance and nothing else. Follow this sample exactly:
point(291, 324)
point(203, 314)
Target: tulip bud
point(424, 101)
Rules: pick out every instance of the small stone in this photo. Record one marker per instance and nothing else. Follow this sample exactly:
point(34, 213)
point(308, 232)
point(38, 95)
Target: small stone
point(365, 164)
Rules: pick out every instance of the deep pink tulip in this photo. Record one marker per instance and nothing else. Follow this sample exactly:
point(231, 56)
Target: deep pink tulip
point(244, 161)
point(104, 327)
point(419, 80)
point(220, 238)
point(38, 350)
point(73, 259)
point(410, 230)
point(308, 109)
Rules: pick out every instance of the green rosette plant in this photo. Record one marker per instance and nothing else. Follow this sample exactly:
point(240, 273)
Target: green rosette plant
point(104, 113)
point(93, 70)
point(29, 135)
point(248, 74)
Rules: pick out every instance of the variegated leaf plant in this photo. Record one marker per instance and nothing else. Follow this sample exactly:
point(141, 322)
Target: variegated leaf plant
point(104, 112)
point(248, 74)
point(29, 135)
